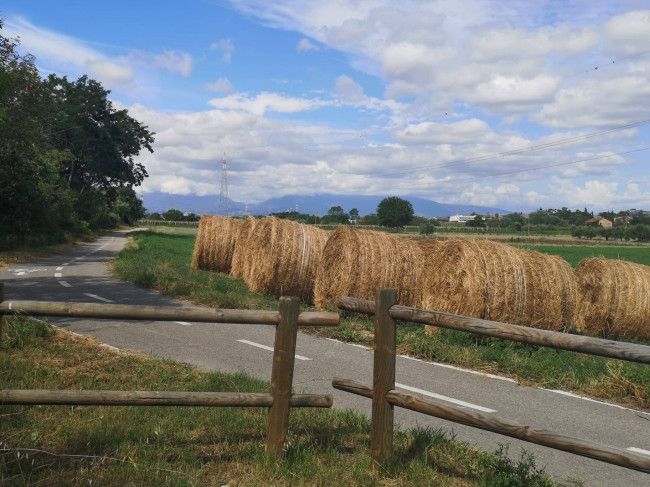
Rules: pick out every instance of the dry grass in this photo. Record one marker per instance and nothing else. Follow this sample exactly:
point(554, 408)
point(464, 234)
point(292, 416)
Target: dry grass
point(492, 281)
point(356, 262)
point(280, 257)
point(240, 255)
point(215, 243)
point(615, 298)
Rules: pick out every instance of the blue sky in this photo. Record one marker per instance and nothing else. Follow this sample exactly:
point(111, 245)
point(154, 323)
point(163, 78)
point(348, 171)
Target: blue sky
point(464, 101)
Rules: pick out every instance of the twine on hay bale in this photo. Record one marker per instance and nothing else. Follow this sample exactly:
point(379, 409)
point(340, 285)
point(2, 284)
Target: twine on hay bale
point(216, 243)
point(199, 256)
point(281, 257)
point(240, 254)
point(356, 262)
point(615, 298)
point(493, 281)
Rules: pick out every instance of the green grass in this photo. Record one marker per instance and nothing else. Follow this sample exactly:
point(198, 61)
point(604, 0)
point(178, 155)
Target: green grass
point(162, 261)
point(174, 446)
point(573, 254)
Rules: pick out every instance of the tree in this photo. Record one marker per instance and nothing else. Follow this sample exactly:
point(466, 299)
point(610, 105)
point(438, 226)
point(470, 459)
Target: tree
point(103, 141)
point(476, 222)
point(336, 215)
point(354, 215)
point(394, 212)
point(427, 228)
point(173, 215)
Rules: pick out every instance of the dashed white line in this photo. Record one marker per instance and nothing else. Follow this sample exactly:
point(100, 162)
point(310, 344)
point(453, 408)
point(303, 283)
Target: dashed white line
point(94, 296)
point(184, 323)
point(576, 396)
point(259, 345)
point(59, 268)
point(67, 263)
point(64, 284)
point(445, 398)
point(57, 274)
point(639, 450)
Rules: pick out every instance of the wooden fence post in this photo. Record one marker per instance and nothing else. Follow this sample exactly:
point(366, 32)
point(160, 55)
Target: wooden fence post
point(284, 355)
point(381, 436)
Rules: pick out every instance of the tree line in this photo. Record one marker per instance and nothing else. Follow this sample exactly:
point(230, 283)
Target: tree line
point(67, 154)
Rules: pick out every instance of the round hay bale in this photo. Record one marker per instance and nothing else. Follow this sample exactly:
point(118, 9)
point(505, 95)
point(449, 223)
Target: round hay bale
point(240, 254)
point(615, 298)
point(356, 262)
point(220, 235)
point(281, 257)
point(199, 256)
point(429, 246)
point(493, 281)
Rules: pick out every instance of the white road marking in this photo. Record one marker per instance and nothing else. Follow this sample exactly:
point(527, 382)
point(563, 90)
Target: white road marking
point(453, 367)
point(184, 323)
point(639, 450)
point(258, 345)
point(59, 268)
point(348, 343)
point(94, 296)
point(67, 263)
point(64, 284)
point(576, 396)
point(445, 398)
point(19, 274)
point(58, 274)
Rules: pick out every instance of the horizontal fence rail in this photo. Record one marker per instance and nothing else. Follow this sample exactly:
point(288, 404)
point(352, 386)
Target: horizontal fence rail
point(160, 313)
point(598, 451)
point(385, 397)
point(630, 352)
point(280, 399)
point(158, 398)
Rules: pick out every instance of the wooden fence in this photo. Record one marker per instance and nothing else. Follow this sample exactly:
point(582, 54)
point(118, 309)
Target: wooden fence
point(385, 397)
point(280, 399)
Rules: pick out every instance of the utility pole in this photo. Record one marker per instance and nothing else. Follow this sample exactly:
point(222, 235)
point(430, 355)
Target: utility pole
point(223, 196)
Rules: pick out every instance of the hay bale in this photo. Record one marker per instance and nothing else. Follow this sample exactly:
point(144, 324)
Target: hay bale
point(280, 257)
point(430, 247)
point(494, 281)
point(356, 262)
point(215, 244)
point(240, 254)
point(615, 298)
point(199, 256)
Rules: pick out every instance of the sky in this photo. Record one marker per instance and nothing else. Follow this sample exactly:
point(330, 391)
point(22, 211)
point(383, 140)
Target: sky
point(511, 104)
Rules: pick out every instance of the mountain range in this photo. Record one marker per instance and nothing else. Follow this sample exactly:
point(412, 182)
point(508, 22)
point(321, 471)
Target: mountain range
point(317, 204)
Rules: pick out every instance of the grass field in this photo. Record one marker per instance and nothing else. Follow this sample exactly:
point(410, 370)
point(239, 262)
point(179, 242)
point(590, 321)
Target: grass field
point(176, 446)
point(162, 261)
point(573, 254)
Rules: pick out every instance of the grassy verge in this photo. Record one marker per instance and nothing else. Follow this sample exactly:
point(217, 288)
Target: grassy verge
point(74, 446)
point(162, 261)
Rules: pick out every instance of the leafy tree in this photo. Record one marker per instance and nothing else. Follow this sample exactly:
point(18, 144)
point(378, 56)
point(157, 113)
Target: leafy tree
point(336, 215)
point(394, 212)
point(173, 215)
point(477, 222)
point(369, 219)
point(606, 233)
point(102, 140)
point(128, 206)
point(427, 228)
point(354, 214)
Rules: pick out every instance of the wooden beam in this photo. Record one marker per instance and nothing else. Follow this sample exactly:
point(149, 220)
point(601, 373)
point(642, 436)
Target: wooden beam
point(630, 352)
point(381, 436)
point(156, 398)
point(284, 355)
point(160, 313)
point(543, 437)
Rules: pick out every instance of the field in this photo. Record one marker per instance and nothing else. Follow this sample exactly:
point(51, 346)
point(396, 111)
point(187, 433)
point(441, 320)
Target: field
point(573, 254)
point(162, 261)
point(175, 446)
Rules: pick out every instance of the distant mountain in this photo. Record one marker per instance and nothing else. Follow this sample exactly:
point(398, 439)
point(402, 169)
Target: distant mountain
point(315, 204)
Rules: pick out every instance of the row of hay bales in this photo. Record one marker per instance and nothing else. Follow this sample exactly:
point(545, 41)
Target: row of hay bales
point(470, 277)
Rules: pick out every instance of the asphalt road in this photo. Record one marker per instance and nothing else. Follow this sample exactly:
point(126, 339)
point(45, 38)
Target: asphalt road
point(80, 276)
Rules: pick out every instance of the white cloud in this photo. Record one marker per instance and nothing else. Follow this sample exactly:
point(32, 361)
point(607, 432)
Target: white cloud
point(222, 85)
point(348, 89)
point(629, 33)
point(259, 104)
point(175, 62)
point(306, 45)
point(226, 47)
point(112, 74)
